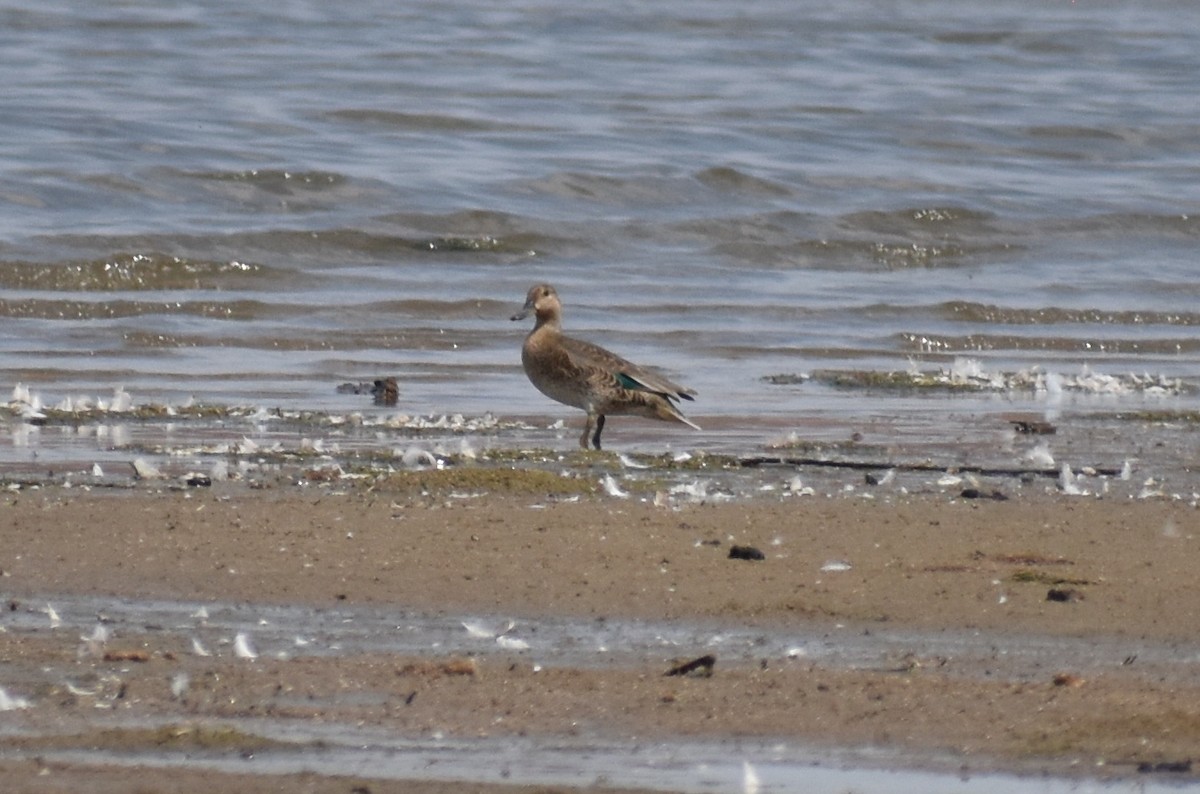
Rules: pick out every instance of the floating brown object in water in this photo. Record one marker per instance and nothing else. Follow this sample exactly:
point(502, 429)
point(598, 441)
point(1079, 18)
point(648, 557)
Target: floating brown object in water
point(386, 391)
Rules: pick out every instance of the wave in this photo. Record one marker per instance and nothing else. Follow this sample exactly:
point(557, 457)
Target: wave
point(731, 180)
point(966, 311)
point(269, 191)
point(915, 237)
point(273, 179)
point(430, 122)
point(326, 247)
point(1088, 345)
point(848, 254)
point(72, 310)
point(131, 271)
point(425, 340)
point(1182, 225)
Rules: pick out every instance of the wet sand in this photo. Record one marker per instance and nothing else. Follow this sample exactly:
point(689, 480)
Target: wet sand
point(1118, 571)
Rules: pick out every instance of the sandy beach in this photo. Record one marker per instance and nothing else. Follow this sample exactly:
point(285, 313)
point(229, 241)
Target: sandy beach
point(1115, 572)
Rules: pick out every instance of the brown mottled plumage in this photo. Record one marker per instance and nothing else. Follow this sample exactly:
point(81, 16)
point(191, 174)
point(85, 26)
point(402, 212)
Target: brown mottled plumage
point(587, 376)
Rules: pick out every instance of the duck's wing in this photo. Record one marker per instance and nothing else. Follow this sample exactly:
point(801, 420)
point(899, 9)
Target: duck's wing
point(602, 363)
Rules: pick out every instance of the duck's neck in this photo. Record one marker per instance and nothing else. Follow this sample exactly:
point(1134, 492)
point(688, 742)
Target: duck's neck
point(549, 320)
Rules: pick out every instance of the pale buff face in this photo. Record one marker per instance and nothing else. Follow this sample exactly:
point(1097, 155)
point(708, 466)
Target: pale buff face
point(543, 301)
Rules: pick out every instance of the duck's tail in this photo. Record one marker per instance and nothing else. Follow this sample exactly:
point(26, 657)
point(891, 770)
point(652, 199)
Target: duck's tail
point(666, 410)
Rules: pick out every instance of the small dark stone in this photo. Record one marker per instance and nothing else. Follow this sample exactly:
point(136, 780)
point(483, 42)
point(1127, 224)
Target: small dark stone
point(1032, 427)
point(745, 553)
point(1165, 766)
point(975, 493)
point(1064, 595)
point(199, 481)
point(701, 667)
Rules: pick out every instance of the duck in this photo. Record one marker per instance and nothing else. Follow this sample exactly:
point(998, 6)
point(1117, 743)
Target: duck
point(586, 376)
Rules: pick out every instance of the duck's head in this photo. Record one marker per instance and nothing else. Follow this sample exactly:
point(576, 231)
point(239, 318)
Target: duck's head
point(543, 301)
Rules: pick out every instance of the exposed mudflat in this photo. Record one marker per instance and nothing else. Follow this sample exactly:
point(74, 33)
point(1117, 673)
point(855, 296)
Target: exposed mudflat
point(349, 635)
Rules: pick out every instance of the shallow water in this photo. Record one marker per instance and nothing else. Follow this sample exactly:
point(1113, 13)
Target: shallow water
point(692, 767)
point(292, 631)
point(684, 764)
point(251, 206)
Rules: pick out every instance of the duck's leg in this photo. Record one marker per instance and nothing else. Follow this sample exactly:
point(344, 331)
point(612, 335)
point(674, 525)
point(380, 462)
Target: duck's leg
point(599, 430)
point(589, 427)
